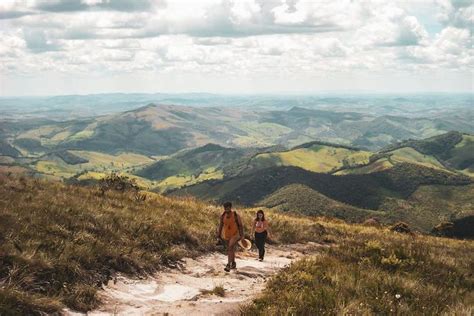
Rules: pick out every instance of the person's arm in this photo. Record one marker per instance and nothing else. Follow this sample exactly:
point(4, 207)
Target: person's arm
point(267, 228)
point(241, 227)
point(219, 231)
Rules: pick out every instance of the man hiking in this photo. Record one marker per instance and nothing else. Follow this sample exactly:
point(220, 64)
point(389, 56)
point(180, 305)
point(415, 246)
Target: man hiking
point(231, 230)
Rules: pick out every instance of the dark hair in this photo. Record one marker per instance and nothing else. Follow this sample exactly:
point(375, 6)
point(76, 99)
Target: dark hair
point(227, 205)
point(263, 217)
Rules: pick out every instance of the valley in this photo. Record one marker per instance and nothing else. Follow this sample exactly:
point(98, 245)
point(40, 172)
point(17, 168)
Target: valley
point(348, 163)
point(376, 189)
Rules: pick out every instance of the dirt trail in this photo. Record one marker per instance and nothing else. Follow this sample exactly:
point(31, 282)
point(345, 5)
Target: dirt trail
point(178, 291)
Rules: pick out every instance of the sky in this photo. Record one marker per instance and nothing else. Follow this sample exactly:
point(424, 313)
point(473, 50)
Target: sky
point(57, 47)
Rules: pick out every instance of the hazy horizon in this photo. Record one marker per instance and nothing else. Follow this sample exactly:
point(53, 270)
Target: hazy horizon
point(316, 94)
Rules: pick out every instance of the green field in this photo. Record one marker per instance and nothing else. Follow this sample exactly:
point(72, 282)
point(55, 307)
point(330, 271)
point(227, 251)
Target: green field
point(410, 155)
point(317, 158)
point(182, 180)
point(259, 134)
point(98, 165)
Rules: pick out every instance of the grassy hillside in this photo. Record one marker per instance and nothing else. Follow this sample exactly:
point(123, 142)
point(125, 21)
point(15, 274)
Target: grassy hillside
point(316, 158)
point(8, 150)
point(431, 205)
point(59, 243)
point(375, 272)
point(364, 190)
point(194, 165)
point(454, 149)
point(304, 200)
point(461, 157)
point(378, 191)
point(78, 164)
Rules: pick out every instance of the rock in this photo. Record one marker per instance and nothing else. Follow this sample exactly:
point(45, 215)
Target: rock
point(401, 227)
point(374, 222)
point(443, 229)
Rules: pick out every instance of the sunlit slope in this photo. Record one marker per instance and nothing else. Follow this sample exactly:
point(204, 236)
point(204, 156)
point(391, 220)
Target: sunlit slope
point(316, 158)
point(61, 164)
point(461, 156)
point(454, 150)
point(193, 166)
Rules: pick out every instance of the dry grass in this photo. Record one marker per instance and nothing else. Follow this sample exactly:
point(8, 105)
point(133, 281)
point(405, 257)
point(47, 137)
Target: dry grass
point(60, 243)
point(217, 290)
point(375, 272)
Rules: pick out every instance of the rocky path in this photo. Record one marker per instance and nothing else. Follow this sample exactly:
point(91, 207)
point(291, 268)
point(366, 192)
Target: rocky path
point(182, 291)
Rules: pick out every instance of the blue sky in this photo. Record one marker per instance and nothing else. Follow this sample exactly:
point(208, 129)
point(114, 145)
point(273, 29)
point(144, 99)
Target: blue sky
point(235, 46)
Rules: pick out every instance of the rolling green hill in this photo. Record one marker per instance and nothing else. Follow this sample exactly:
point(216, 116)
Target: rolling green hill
point(193, 166)
point(454, 150)
point(368, 191)
point(364, 190)
point(314, 156)
point(304, 200)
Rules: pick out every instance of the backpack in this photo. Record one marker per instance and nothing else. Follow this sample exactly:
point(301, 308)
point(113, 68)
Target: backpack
point(235, 217)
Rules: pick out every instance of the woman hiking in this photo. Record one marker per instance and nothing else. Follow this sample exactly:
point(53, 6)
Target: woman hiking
point(260, 226)
point(232, 231)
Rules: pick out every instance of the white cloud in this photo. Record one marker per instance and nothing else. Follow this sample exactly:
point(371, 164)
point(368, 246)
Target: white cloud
point(233, 38)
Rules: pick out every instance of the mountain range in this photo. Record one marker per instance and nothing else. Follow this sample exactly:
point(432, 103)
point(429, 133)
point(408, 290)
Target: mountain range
point(349, 163)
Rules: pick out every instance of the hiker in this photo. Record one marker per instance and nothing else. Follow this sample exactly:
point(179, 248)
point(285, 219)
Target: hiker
point(260, 227)
point(232, 231)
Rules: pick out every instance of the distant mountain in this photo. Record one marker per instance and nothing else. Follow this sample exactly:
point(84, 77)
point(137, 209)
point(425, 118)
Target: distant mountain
point(166, 129)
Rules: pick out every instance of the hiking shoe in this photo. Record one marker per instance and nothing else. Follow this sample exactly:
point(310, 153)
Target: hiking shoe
point(260, 259)
point(227, 268)
point(234, 265)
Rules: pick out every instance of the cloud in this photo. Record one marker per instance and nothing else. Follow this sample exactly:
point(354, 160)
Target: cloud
point(38, 42)
point(410, 32)
point(212, 41)
point(82, 5)
point(61, 5)
point(451, 48)
point(457, 13)
point(233, 38)
point(13, 14)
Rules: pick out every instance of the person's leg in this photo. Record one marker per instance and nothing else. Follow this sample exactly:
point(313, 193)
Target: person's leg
point(264, 239)
point(231, 250)
point(259, 244)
